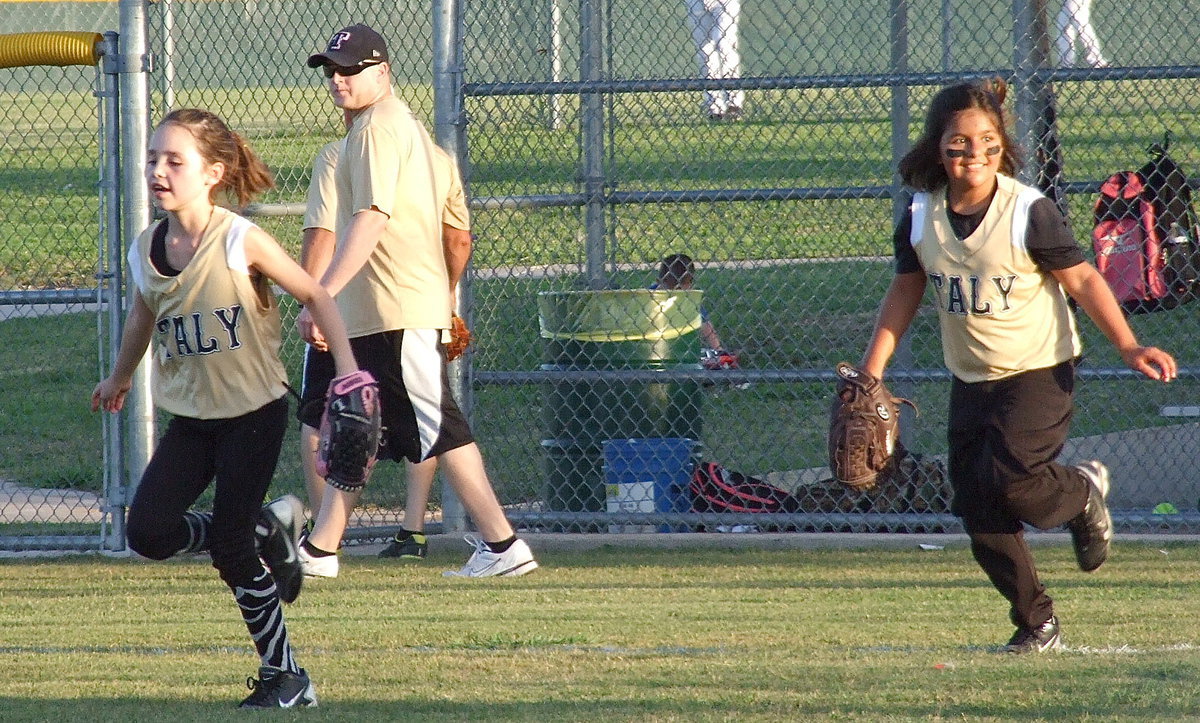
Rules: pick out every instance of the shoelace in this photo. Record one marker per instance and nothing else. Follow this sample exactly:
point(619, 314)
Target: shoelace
point(479, 545)
point(253, 683)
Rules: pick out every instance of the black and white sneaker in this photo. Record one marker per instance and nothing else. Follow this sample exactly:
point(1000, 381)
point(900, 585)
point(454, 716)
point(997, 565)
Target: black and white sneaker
point(1092, 530)
point(278, 535)
point(277, 688)
point(413, 547)
point(1046, 636)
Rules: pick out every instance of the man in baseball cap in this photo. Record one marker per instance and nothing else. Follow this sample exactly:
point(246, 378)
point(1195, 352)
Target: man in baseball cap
point(350, 47)
point(389, 276)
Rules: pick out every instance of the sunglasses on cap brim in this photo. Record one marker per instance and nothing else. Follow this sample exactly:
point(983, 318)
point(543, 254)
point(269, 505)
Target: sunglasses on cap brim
point(347, 71)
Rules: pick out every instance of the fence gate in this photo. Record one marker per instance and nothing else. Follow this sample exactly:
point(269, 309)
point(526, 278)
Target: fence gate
point(59, 256)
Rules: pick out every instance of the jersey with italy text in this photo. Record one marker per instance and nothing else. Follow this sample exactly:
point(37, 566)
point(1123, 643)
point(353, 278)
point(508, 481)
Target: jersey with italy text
point(215, 350)
point(1000, 312)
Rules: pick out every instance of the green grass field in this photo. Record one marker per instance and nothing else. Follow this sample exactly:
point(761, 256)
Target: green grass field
point(614, 633)
point(730, 632)
point(840, 139)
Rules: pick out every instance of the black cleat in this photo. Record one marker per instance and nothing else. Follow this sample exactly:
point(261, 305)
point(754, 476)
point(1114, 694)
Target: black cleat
point(413, 547)
point(1036, 640)
point(277, 688)
point(1092, 529)
point(278, 535)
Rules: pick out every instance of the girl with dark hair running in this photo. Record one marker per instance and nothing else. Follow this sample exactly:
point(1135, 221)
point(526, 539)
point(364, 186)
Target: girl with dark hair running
point(1002, 263)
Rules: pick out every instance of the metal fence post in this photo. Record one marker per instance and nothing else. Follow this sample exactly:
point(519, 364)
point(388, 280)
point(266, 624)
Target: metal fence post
point(1022, 69)
point(947, 35)
point(133, 67)
point(168, 60)
point(554, 61)
point(591, 139)
point(112, 533)
point(902, 359)
point(1035, 104)
point(447, 107)
point(447, 76)
point(898, 63)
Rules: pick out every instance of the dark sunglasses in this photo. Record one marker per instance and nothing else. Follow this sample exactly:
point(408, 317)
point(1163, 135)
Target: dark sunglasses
point(346, 70)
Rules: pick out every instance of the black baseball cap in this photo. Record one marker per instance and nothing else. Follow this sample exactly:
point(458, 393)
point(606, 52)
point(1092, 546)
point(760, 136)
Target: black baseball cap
point(351, 46)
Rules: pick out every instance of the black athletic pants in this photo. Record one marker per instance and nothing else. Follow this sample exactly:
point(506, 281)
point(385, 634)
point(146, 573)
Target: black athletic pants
point(240, 455)
point(1004, 438)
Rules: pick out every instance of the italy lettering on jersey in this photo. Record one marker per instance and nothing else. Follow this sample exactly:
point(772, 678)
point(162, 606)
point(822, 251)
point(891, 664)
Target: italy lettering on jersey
point(217, 328)
point(966, 296)
point(192, 338)
point(999, 313)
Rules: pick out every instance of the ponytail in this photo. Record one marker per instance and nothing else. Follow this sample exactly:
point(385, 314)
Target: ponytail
point(246, 175)
point(252, 177)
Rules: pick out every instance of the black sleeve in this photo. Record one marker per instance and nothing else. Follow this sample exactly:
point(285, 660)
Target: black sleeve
point(906, 256)
point(1049, 240)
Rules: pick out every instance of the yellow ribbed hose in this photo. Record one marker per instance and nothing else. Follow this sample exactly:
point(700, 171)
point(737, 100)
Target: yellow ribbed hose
point(66, 48)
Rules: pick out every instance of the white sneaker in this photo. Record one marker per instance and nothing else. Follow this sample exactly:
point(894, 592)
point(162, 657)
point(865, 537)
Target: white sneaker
point(317, 566)
point(516, 560)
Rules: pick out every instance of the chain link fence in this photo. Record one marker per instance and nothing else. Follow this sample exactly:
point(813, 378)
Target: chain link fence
point(57, 208)
point(592, 151)
point(595, 151)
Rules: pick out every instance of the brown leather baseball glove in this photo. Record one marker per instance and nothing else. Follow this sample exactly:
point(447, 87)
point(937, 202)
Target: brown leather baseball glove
point(864, 429)
point(460, 338)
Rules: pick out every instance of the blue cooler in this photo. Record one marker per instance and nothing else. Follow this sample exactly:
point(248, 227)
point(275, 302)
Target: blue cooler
point(648, 476)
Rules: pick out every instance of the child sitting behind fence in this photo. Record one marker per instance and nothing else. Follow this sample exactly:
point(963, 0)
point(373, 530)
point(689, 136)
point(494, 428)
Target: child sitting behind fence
point(678, 272)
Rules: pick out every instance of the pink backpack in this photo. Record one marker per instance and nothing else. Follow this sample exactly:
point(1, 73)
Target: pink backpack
point(1128, 249)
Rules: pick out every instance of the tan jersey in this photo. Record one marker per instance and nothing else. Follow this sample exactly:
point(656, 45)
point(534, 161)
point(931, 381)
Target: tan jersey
point(1000, 314)
point(320, 211)
point(387, 165)
point(450, 188)
point(215, 351)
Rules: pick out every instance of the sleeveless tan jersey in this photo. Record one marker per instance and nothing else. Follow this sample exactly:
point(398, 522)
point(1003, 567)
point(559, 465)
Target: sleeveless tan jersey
point(215, 351)
point(1000, 315)
point(387, 165)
